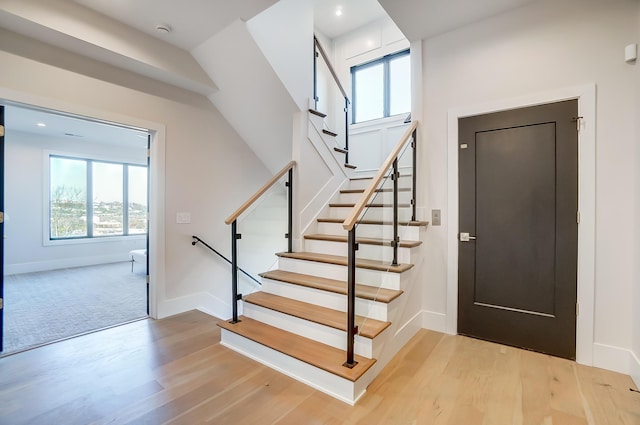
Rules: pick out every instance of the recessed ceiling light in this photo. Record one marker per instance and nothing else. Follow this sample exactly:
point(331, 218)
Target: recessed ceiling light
point(163, 28)
point(41, 124)
point(339, 11)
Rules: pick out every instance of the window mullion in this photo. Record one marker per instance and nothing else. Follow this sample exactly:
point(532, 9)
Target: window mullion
point(89, 198)
point(387, 88)
point(125, 199)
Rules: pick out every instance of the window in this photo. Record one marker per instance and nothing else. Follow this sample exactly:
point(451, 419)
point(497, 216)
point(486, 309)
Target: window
point(90, 199)
point(381, 88)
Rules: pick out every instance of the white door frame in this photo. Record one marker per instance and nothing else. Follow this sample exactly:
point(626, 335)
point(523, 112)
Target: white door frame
point(586, 96)
point(156, 182)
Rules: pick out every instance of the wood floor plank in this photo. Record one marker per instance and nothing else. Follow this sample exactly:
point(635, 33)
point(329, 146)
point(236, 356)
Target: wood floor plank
point(340, 260)
point(367, 328)
point(309, 351)
point(128, 375)
point(332, 285)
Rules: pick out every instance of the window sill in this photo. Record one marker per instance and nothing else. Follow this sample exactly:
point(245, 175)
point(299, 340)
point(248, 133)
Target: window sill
point(106, 239)
point(380, 122)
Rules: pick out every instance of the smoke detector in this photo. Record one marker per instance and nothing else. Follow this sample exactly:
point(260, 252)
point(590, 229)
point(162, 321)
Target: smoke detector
point(163, 28)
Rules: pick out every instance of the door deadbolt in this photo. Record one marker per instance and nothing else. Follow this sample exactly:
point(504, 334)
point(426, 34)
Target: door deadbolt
point(465, 237)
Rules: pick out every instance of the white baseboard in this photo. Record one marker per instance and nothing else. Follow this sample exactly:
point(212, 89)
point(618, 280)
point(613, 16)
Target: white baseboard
point(635, 368)
point(434, 321)
point(612, 358)
point(63, 263)
point(202, 301)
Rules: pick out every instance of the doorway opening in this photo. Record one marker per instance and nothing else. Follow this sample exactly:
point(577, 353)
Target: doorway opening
point(76, 231)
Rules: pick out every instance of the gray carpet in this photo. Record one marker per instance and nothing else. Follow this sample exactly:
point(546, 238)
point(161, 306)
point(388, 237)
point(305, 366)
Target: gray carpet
point(47, 306)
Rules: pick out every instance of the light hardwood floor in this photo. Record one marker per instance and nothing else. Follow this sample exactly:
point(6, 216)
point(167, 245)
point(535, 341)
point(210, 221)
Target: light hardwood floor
point(175, 371)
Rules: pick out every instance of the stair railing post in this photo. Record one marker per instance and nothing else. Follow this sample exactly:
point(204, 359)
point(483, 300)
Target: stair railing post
point(414, 145)
point(289, 184)
point(315, 74)
point(346, 129)
point(352, 329)
point(396, 240)
point(234, 271)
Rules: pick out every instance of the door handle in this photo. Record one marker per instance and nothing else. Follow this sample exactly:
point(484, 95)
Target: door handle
point(464, 237)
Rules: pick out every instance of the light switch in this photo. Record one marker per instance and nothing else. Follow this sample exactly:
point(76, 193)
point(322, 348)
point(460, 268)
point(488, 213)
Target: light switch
point(183, 218)
point(436, 219)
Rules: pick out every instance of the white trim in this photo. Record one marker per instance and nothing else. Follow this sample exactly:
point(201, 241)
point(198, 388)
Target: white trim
point(434, 321)
point(586, 96)
point(634, 370)
point(63, 263)
point(156, 180)
point(612, 358)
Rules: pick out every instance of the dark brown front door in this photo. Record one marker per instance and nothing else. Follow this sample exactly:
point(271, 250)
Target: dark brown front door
point(518, 176)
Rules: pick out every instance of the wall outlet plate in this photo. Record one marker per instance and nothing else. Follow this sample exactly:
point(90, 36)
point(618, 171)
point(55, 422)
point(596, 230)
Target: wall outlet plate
point(183, 218)
point(436, 218)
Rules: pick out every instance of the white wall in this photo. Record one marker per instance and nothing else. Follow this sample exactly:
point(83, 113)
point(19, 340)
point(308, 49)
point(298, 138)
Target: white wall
point(208, 169)
point(284, 33)
point(25, 205)
point(539, 48)
point(370, 142)
point(635, 370)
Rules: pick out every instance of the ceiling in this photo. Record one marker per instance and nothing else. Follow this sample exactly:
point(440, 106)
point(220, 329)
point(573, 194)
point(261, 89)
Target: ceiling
point(191, 21)
point(60, 126)
point(194, 21)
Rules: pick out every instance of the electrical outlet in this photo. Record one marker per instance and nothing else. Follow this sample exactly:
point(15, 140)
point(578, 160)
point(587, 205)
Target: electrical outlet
point(436, 219)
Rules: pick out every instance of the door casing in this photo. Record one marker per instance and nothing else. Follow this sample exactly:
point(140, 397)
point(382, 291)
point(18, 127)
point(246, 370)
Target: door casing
point(586, 96)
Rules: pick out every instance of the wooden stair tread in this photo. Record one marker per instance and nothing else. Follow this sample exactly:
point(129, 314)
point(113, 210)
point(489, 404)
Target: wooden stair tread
point(367, 292)
point(403, 189)
point(367, 328)
point(318, 113)
point(365, 241)
point(374, 222)
point(329, 132)
point(353, 167)
point(304, 349)
point(371, 177)
point(341, 150)
point(375, 205)
point(342, 261)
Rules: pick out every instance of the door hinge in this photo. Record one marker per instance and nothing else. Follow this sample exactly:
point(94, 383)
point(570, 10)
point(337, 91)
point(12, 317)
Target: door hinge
point(148, 153)
point(1, 303)
point(1, 217)
point(577, 309)
point(578, 217)
point(1, 130)
point(577, 120)
point(148, 279)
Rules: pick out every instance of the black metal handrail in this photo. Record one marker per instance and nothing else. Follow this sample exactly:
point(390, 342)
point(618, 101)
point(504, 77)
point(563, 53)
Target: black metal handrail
point(347, 102)
point(350, 224)
point(233, 221)
point(197, 240)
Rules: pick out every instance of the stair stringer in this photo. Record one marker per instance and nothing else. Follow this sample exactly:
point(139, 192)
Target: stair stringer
point(313, 153)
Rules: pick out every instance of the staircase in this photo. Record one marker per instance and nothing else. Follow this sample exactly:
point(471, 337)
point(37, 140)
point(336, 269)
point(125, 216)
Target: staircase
point(297, 324)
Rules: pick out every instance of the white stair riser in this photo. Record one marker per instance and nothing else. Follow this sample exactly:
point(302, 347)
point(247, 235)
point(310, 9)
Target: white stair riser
point(324, 334)
point(375, 213)
point(386, 197)
point(366, 308)
point(335, 386)
point(333, 271)
point(370, 252)
point(406, 233)
point(404, 181)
